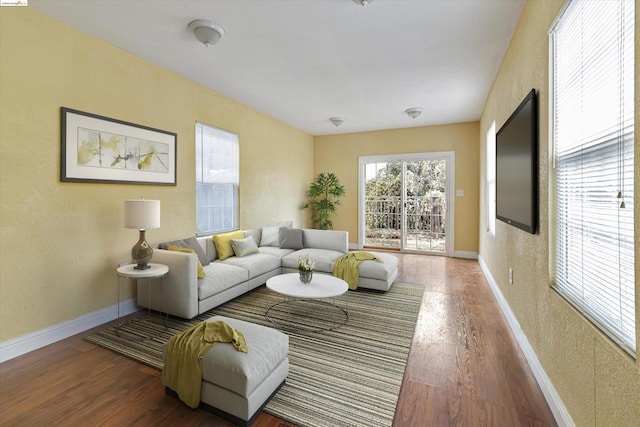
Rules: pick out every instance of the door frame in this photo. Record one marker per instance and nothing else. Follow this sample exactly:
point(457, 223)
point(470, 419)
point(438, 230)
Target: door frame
point(450, 158)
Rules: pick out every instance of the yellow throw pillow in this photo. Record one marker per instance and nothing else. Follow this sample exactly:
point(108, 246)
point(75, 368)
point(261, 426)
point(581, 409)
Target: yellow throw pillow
point(201, 273)
point(222, 243)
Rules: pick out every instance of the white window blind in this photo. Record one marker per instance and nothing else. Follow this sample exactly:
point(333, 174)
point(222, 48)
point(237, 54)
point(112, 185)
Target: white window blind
point(592, 48)
point(491, 179)
point(217, 177)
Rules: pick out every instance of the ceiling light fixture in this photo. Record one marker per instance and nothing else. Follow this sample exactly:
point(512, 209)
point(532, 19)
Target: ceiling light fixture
point(207, 32)
point(362, 2)
point(337, 121)
point(413, 112)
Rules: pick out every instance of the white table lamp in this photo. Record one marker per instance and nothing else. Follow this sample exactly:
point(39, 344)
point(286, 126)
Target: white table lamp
point(142, 214)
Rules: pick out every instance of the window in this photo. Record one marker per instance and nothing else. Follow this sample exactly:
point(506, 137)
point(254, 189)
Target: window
point(491, 179)
point(592, 81)
point(217, 176)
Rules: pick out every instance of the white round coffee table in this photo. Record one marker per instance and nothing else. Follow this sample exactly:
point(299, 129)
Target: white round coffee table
point(300, 307)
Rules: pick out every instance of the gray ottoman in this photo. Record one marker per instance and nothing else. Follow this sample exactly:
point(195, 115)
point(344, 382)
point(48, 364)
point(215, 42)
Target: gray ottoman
point(238, 385)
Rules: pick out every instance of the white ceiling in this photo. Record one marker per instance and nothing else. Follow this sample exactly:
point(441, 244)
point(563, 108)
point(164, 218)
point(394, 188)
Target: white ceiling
point(304, 61)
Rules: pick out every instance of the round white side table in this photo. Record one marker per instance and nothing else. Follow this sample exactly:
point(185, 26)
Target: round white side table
point(155, 271)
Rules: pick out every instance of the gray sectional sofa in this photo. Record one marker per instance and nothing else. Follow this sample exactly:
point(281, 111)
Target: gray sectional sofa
point(184, 295)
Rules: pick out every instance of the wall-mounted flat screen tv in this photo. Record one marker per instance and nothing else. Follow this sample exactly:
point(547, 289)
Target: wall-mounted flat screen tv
point(517, 167)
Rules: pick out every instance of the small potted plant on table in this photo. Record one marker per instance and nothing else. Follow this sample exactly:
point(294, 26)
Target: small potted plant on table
point(305, 268)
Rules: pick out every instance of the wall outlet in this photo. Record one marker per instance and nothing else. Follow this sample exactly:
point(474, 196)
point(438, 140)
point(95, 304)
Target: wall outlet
point(510, 276)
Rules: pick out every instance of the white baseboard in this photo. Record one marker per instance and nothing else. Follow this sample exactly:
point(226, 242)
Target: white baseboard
point(556, 405)
point(35, 340)
point(465, 254)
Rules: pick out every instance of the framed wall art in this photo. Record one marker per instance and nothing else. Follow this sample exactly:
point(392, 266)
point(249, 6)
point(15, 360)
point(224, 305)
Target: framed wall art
point(104, 150)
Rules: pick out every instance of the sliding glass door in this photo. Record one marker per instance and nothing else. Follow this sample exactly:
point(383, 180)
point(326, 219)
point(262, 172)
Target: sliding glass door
point(383, 204)
point(405, 202)
point(425, 206)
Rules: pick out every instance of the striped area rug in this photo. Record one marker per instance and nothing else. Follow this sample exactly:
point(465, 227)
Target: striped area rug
point(348, 376)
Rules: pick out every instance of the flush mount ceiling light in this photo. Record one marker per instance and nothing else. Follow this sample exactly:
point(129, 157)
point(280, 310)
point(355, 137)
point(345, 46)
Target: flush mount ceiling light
point(362, 2)
point(207, 32)
point(413, 112)
point(337, 121)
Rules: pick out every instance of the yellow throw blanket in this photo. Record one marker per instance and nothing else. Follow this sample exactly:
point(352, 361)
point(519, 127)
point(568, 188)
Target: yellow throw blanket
point(183, 365)
point(346, 267)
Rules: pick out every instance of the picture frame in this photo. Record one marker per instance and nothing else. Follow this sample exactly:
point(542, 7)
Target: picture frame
point(99, 149)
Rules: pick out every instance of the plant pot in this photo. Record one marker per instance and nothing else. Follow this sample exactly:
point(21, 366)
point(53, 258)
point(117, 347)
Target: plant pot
point(306, 276)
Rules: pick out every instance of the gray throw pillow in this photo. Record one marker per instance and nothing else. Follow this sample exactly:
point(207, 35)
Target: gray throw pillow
point(165, 245)
point(290, 238)
point(190, 242)
point(242, 247)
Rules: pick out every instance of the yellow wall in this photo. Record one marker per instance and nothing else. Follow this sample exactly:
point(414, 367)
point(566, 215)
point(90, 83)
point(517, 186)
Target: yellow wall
point(60, 242)
point(339, 154)
point(598, 383)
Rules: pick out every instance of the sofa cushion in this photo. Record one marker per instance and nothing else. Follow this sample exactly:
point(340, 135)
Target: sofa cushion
point(290, 238)
point(206, 243)
point(275, 251)
point(244, 247)
point(256, 264)
point(334, 240)
point(201, 273)
point(190, 242)
point(209, 248)
point(287, 224)
point(270, 236)
point(256, 233)
point(222, 243)
point(220, 276)
point(323, 258)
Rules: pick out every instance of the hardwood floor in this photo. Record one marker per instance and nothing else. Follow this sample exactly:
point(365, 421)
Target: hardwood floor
point(464, 369)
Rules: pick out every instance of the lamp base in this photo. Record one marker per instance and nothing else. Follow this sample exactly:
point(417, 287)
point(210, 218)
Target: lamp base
point(141, 253)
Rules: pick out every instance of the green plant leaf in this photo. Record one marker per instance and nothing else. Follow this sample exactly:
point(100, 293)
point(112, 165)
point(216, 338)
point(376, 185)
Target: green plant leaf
point(323, 195)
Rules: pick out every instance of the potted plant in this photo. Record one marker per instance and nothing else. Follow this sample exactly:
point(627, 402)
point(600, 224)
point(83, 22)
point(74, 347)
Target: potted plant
point(323, 196)
point(305, 268)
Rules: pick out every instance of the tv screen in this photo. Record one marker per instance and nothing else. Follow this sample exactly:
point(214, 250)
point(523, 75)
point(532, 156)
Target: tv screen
point(517, 167)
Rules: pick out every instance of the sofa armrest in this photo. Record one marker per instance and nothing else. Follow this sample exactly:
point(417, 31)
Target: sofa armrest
point(179, 293)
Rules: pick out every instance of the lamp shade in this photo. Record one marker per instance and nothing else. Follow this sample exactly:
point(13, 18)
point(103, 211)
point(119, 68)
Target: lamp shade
point(142, 214)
